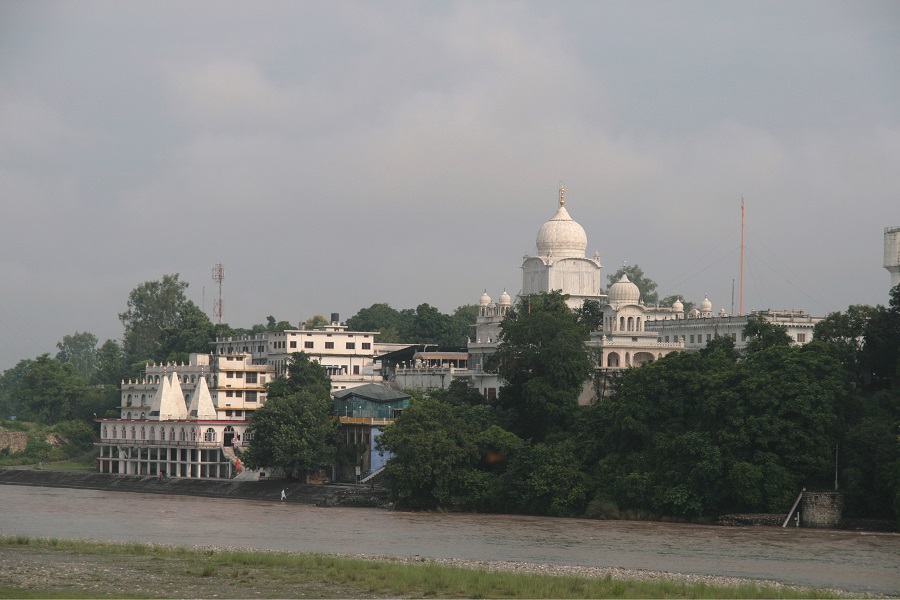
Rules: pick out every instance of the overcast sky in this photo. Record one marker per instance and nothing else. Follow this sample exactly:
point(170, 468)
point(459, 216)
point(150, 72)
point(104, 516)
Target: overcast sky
point(332, 155)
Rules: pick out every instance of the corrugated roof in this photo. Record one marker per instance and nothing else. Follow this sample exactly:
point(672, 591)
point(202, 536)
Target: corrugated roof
point(372, 391)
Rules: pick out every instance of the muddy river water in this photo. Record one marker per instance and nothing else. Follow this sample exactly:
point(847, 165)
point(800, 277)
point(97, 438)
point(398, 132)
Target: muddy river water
point(855, 561)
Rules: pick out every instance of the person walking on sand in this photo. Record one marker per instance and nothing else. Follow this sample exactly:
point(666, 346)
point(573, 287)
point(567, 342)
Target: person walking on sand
point(283, 496)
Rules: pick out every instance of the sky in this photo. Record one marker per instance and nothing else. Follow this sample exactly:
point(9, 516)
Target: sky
point(334, 155)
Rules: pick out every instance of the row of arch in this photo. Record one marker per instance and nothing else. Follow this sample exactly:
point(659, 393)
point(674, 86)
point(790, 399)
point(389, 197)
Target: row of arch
point(208, 436)
point(614, 360)
point(623, 324)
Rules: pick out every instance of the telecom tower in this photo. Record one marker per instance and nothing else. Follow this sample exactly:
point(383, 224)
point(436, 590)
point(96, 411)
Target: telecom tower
point(218, 274)
point(892, 253)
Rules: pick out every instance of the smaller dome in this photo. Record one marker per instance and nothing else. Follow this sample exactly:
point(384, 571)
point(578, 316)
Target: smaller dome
point(706, 305)
point(677, 306)
point(485, 299)
point(694, 313)
point(624, 292)
point(505, 300)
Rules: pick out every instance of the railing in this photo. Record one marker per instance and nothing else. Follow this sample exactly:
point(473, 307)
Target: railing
point(365, 420)
point(166, 443)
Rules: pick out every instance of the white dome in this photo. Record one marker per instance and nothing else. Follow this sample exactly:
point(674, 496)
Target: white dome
point(505, 300)
point(485, 299)
point(562, 237)
point(624, 292)
point(706, 305)
point(677, 306)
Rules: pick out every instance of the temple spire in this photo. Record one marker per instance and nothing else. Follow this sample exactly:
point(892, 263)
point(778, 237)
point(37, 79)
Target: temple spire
point(562, 194)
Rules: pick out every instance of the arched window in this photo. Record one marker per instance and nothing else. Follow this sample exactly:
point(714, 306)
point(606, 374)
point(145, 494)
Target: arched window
point(638, 323)
point(172, 434)
point(153, 433)
point(113, 436)
point(104, 431)
point(181, 435)
point(133, 433)
point(128, 415)
point(247, 435)
point(185, 378)
point(210, 435)
point(187, 398)
point(162, 434)
point(143, 415)
point(143, 434)
point(128, 401)
point(193, 434)
point(193, 379)
point(157, 379)
point(630, 323)
point(621, 323)
point(143, 399)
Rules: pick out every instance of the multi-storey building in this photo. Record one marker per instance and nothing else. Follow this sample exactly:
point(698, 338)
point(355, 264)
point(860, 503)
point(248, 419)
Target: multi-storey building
point(184, 420)
point(348, 356)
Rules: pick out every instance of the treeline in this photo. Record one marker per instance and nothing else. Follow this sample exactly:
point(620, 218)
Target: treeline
point(692, 435)
point(160, 324)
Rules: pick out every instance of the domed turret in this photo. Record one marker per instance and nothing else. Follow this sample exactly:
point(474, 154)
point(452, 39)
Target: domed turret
point(485, 299)
point(677, 306)
point(624, 292)
point(706, 305)
point(505, 300)
point(561, 236)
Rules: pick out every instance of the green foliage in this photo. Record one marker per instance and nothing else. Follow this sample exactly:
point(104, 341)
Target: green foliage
point(192, 332)
point(761, 429)
point(153, 307)
point(80, 349)
point(110, 364)
point(293, 430)
point(434, 451)
point(761, 334)
point(51, 390)
point(423, 325)
point(543, 362)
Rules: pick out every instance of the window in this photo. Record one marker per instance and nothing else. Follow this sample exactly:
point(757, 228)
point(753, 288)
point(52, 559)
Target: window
point(193, 434)
point(708, 337)
point(128, 402)
point(228, 413)
point(251, 378)
point(239, 375)
point(293, 344)
point(356, 369)
point(162, 434)
point(308, 344)
point(366, 346)
point(229, 394)
point(210, 435)
point(329, 345)
point(230, 375)
point(801, 338)
point(133, 433)
point(153, 433)
point(351, 346)
point(251, 397)
point(105, 432)
point(239, 394)
point(692, 339)
point(181, 435)
point(667, 339)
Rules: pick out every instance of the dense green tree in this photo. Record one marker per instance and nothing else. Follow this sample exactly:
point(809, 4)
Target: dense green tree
point(761, 334)
point(434, 457)
point(880, 354)
point(378, 317)
point(11, 396)
point(590, 314)
point(543, 362)
point(153, 307)
point(192, 332)
point(110, 364)
point(52, 390)
point(80, 349)
point(761, 428)
point(636, 276)
point(293, 430)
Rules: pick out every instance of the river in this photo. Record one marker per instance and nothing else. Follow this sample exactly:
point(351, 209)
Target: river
point(855, 561)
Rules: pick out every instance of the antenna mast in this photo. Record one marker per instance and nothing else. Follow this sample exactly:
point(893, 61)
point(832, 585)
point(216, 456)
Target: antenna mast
point(741, 303)
point(218, 274)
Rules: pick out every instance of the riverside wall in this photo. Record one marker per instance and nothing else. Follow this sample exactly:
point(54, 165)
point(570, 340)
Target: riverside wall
point(320, 495)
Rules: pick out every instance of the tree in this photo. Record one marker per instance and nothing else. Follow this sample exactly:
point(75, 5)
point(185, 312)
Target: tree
point(110, 364)
point(433, 460)
point(11, 396)
point(315, 321)
point(880, 354)
point(761, 334)
point(51, 390)
point(378, 317)
point(192, 332)
point(544, 363)
point(80, 349)
point(293, 430)
point(636, 276)
point(153, 307)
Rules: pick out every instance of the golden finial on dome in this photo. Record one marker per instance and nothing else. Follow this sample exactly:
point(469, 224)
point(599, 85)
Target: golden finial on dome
point(562, 194)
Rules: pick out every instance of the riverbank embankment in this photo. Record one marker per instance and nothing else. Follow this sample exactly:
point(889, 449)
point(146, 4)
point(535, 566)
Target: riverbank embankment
point(320, 495)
